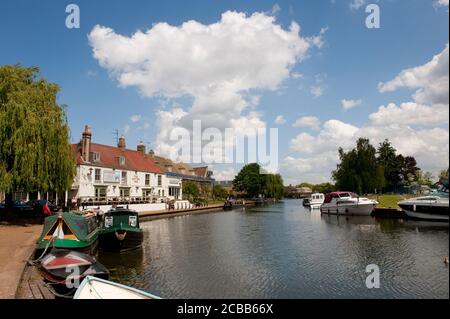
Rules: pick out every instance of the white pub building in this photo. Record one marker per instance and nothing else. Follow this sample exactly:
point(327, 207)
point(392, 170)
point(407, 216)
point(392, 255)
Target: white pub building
point(108, 175)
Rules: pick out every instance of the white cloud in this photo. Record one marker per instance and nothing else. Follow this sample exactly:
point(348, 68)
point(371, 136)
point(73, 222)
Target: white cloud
point(135, 118)
point(307, 121)
point(441, 3)
point(297, 75)
point(430, 79)
point(216, 65)
point(275, 9)
point(318, 40)
point(410, 114)
point(356, 4)
point(317, 90)
point(349, 104)
point(126, 129)
point(280, 120)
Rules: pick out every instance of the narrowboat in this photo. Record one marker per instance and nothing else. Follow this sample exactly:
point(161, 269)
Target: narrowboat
point(120, 230)
point(97, 288)
point(73, 231)
point(233, 204)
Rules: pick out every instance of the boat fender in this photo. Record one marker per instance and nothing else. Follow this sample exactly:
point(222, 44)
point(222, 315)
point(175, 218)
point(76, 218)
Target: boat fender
point(121, 236)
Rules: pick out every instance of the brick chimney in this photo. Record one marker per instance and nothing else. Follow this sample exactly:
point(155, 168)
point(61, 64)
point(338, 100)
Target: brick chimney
point(151, 153)
point(121, 142)
point(86, 143)
point(141, 148)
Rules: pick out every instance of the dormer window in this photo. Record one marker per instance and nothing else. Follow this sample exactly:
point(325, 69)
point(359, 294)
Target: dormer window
point(121, 160)
point(95, 157)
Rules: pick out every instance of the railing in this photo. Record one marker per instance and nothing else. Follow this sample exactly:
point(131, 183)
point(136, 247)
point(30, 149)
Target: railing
point(97, 201)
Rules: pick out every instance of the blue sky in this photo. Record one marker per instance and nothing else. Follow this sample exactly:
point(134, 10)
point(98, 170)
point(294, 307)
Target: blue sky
point(349, 64)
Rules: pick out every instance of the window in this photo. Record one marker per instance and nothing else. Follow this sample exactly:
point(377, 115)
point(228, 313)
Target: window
point(121, 160)
point(124, 192)
point(147, 179)
point(100, 193)
point(147, 193)
point(94, 156)
point(159, 180)
point(163, 193)
point(98, 178)
point(124, 178)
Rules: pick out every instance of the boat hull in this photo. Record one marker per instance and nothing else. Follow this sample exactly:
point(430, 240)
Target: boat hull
point(351, 210)
point(426, 212)
point(90, 248)
point(120, 240)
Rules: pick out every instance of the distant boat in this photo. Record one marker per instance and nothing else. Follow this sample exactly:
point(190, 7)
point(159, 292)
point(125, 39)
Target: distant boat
point(96, 288)
point(233, 204)
point(73, 231)
point(433, 207)
point(120, 230)
point(347, 203)
point(317, 200)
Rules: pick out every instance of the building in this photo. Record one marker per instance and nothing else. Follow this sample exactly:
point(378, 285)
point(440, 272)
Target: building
point(199, 175)
point(107, 175)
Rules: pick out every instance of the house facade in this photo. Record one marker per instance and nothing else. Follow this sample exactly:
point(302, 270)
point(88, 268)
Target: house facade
point(108, 174)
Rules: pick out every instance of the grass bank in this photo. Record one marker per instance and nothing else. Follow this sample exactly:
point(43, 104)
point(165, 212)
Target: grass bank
point(389, 201)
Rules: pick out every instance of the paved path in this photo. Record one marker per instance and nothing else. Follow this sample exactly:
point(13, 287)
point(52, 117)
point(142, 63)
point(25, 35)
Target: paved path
point(17, 243)
point(175, 212)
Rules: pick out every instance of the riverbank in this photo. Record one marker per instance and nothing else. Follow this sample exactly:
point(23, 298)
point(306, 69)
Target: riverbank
point(17, 245)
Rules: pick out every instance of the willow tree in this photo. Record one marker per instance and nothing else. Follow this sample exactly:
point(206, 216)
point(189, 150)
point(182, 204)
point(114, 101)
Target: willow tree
point(35, 153)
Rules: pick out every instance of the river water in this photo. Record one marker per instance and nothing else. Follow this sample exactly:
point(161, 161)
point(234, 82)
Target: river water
point(285, 251)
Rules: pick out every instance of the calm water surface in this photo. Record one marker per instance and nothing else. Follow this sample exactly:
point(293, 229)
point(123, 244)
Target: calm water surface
point(285, 251)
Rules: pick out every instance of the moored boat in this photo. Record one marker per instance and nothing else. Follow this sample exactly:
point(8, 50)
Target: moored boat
point(316, 200)
point(72, 231)
point(97, 288)
point(306, 202)
point(120, 230)
point(347, 203)
point(433, 207)
point(233, 204)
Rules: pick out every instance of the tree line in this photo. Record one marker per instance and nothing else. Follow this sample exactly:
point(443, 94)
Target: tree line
point(366, 169)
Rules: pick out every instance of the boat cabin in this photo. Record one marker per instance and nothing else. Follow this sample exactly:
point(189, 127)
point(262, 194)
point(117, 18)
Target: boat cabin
point(344, 195)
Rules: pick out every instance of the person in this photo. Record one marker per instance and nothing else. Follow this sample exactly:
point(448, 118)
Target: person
point(46, 210)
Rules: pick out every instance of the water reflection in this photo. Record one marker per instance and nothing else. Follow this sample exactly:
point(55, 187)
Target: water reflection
point(287, 251)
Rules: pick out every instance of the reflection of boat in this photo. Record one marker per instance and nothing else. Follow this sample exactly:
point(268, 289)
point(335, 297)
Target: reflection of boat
point(120, 230)
point(317, 200)
point(95, 288)
point(69, 231)
point(347, 203)
point(233, 204)
point(433, 207)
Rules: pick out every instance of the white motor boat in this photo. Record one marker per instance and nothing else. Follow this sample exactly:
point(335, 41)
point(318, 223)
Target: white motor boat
point(96, 288)
point(316, 200)
point(433, 207)
point(347, 203)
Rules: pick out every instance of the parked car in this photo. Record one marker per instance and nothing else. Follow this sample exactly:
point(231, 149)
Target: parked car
point(21, 207)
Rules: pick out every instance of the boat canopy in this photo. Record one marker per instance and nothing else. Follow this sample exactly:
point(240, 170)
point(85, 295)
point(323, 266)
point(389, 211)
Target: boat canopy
point(332, 195)
point(76, 224)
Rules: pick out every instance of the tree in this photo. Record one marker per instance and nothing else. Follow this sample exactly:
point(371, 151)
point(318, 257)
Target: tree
point(35, 153)
point(190, 190)
point(273, 186)
point(358, 169)
point(249, 180)
point(324, 188)
point(390, 163)
point(305, 184)
point(218, 192)
point(443, 176)
point(408, 168)
point(424, 178)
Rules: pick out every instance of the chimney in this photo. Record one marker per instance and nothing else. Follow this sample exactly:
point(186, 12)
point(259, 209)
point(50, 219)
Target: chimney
point(141, 148)
point(151, 153)
point(86, 143)
point(121, 142)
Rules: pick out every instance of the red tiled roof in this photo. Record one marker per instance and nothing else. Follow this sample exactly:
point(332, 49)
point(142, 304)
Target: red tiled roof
point(201, 171)
point(109, 157)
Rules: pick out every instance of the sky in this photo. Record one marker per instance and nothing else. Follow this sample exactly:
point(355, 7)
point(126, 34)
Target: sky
point(311, 69)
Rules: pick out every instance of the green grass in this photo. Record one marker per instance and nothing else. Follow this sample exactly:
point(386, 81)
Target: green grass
point(389, 201)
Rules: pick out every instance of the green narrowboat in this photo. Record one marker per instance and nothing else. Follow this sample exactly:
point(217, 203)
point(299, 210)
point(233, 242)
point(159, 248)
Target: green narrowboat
point(74, 231)
point(120, 230)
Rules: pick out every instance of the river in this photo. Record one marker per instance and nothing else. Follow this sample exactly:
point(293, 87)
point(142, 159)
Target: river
point(285, 251)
